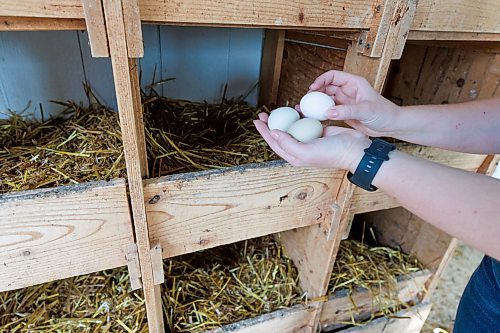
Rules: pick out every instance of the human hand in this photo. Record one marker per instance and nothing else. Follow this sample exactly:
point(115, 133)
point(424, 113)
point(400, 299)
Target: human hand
point(358, 104)
point(339, 148)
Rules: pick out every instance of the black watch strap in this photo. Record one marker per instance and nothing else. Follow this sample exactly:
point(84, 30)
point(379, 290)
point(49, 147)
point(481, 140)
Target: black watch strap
point(375, 155)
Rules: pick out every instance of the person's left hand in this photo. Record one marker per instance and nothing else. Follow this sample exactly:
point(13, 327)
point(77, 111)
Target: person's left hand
point(339, 148)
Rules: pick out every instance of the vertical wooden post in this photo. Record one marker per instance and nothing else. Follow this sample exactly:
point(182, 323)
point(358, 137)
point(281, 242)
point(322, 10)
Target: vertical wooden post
point(129, 105)
point(270, 69)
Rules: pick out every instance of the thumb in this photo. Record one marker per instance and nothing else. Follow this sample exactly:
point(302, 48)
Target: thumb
point(350, 112)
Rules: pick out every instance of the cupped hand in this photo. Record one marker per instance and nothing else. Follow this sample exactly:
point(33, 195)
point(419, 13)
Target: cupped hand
point(339, 148)
point(358, 104)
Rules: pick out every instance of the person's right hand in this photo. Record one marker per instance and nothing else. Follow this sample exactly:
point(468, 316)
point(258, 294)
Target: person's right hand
point(357, 103)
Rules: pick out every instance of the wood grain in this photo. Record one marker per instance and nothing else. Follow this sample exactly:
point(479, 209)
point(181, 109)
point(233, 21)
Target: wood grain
point(409, 321)
point(303, 63)
point(342, 308)
point(96, 28)
point(452, 15)
point(200, 210)
point(435, 75)
point(11, 23)
point(292, 320)
point(51, 234)
point(133, 30)
point(270, 70)
point(126, 91)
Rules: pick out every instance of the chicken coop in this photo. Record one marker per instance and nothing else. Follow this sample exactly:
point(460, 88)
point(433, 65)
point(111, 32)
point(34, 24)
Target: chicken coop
point(177, 235)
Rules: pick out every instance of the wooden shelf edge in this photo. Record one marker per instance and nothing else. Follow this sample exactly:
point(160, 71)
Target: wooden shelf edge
point(51, 234)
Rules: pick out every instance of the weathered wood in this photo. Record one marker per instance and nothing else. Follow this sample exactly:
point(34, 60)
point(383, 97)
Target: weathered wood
point(133, 266)
point(96, 28)
point(10, 23)
point(383, 12)
point(452, 36)
point(452, 15)
point(52, 234)
point(195, 211)
point(133, 30)
point(292, 320)
point(126, 88)
point(270, 70)
point(434, 75)
point(403, 17)
point(341, 308)
point(409, 321)
point(299, 71)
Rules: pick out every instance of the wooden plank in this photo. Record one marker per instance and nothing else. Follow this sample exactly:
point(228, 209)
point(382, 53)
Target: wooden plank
point(10, 23)
point(409, 321)
point(194, 211)
point(52, 234)
point(383, 12)
point(348, 14)
point(340, 309)
point(364, 201)
point(298, 71)
point(292, 320)
point(94, 20)
point(452, 36)
point(405, 12)
point(133, 30)
point(126, 88)
point(138, 116)
point(311, 250)
point(452, 15)
point(270, 71)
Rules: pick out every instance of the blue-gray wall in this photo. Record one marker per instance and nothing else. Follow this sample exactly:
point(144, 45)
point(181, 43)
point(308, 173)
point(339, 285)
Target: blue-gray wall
point(36, 67)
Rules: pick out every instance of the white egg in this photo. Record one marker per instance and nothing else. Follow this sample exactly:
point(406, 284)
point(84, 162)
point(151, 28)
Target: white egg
point(306, 129)
point(315, 104)
point(282, 118)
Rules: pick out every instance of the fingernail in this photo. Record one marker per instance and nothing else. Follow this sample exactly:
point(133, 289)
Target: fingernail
point(275, 135)
point(332, 114)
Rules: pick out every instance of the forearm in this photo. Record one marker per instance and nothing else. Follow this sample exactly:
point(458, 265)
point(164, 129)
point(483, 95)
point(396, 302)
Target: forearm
point(472, 127)
point(463, 204)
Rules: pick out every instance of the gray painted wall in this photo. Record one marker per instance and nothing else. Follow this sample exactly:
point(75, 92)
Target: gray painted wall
point(36, 67)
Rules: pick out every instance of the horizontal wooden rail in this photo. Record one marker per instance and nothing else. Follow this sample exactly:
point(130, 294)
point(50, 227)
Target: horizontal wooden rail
point(431, 16)
point(195, 211)
point(51, 234)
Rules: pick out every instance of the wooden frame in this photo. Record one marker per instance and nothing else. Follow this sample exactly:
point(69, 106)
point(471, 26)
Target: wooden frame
point(318, 210)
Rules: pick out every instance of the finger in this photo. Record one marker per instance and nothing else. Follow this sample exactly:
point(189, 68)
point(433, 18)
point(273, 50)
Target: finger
point(290, 145)
point(333, 77)
point(335, 130)
point(350, 112)
point(266, 134)
point(263, 117)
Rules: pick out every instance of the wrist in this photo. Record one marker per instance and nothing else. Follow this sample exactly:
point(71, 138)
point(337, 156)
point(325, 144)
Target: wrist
point(357, 152)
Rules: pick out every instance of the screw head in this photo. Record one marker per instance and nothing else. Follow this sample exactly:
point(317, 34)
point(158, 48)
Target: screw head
point(368, 46)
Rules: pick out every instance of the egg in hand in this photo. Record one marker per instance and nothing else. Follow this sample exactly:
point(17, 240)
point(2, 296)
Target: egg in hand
point(315, 104)
point(282, 118)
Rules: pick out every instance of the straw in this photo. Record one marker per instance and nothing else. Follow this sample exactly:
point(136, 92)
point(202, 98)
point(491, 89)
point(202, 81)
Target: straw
point(215, 287)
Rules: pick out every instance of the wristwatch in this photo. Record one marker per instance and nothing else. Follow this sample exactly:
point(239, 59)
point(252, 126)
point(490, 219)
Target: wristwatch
point(375, 155)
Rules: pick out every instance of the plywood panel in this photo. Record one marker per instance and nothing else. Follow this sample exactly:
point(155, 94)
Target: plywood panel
point(195, 211)
point(53, 234)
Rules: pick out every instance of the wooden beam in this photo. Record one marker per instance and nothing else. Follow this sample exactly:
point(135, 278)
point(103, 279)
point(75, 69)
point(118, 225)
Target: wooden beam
point(342, 307)
point(194, 211)
point(410, 320)
point(51, 234)
point(126, 91)
point(133, 30)
point(293, 320)
point(453, 36)
point(270, 69)
point(12, 23)
point(383, 11)
point(94, 20)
